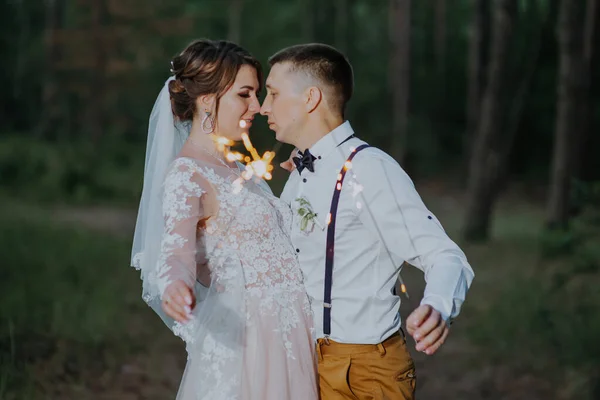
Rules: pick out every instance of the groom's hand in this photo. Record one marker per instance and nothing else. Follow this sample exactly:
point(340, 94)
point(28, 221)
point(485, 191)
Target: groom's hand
point(178, 301)
point(429, 329)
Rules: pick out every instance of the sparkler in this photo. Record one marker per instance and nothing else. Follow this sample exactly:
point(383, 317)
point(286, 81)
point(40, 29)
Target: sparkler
point(261, 167)
point(256, 165)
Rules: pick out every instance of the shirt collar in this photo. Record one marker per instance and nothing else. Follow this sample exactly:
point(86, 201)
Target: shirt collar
point(330, 141)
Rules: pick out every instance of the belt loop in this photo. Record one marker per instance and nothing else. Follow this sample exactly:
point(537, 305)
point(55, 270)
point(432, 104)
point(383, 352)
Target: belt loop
point(319, 352)
point(381, 349)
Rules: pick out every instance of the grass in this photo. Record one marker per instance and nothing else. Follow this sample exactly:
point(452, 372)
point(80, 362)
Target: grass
point(70, 307)
point(72, 324)
point(530, 318)
point(538, 315)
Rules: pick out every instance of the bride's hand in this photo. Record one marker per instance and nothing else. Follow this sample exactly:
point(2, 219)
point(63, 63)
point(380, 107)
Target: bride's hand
point(178, 301)
point(289, 165)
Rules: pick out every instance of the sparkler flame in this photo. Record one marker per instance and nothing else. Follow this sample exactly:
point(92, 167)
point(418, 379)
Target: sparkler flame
point(256, 165)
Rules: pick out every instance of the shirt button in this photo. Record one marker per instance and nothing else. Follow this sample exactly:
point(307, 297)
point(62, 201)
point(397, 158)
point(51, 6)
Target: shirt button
point(297, 250)
point(304, 180)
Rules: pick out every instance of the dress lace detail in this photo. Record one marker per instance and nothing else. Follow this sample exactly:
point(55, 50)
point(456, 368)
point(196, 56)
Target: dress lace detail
point(179, 188)
point(258, 235)
point(246, 244)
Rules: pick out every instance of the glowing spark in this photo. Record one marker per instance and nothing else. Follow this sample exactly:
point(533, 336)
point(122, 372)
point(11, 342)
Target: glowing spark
point(260, 168)
point(247, 174)
point(339, 186)
point(328, 219)
point(255, 165)
point(234, 156)
point(222, 143)
point(237, 185)
point(403, 288)
point(224, 140)
point(347, 165)
point(339, 177)
point(249, 147)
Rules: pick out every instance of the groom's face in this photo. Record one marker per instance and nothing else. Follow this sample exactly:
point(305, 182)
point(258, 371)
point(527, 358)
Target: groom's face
point(284, 105)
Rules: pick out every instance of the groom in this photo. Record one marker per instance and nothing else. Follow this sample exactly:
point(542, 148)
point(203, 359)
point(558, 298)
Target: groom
point(357, 218)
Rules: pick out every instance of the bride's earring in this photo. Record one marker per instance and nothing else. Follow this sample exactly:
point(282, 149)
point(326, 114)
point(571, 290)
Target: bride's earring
point(208, 123)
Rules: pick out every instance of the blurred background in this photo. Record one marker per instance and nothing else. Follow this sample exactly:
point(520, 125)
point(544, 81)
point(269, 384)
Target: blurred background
point(492, 106)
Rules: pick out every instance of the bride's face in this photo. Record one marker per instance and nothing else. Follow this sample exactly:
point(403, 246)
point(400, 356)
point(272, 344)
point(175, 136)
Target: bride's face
point(239, 103)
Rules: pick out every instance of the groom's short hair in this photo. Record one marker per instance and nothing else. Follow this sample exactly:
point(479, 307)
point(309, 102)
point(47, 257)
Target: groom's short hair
point(325, 64)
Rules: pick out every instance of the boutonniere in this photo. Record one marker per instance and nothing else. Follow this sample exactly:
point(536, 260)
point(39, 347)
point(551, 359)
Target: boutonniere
point(307, 215)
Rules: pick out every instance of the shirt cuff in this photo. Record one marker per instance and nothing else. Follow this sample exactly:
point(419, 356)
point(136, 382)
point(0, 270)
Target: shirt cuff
point(441, 306)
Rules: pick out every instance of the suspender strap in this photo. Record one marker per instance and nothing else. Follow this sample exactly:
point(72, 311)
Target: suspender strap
point(331, 241)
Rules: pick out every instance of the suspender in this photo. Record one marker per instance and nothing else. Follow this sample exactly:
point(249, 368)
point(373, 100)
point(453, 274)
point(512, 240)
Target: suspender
point(331, 242)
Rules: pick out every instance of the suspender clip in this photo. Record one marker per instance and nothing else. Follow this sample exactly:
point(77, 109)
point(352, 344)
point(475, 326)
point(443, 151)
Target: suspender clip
point(327, 305)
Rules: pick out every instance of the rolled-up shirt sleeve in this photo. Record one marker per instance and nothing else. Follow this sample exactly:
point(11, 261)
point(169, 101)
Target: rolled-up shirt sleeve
point(393, 210)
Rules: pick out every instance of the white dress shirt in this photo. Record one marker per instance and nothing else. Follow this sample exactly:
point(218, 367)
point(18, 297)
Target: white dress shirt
point(381, 222)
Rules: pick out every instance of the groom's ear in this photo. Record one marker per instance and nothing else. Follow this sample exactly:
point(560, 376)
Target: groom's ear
point(312, 98)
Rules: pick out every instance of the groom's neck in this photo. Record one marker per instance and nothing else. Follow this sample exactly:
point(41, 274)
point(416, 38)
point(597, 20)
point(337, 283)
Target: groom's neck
point(316, 129)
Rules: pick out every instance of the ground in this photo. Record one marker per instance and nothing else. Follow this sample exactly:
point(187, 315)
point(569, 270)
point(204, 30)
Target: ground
point(143, 360)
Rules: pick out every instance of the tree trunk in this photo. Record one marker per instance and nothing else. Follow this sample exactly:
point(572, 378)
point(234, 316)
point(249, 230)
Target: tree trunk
point(440, 39)
point(235, 21)
point(438, 102)
point(341, 25)
point(96, 116)
point(518, 101)
point(50, 109)
point(400, 31)
point(572, 80)
point(476, 66)
point(485, 164)
point(592, 18)
point(22, 39)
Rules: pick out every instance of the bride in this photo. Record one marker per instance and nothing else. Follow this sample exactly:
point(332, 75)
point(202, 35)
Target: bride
point(216, 260)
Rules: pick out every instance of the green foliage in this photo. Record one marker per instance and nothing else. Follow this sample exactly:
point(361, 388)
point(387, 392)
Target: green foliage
point(548, 316)
point(306, 212)
point(71, 172)
point(580, 240)
point(141, 37)
point(64, 294)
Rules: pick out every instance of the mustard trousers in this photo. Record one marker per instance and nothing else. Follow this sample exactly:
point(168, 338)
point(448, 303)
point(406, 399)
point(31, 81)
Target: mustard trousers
point(382, 371)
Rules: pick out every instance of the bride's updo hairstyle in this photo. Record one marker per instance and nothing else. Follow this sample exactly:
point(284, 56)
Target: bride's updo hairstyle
point(206, 67)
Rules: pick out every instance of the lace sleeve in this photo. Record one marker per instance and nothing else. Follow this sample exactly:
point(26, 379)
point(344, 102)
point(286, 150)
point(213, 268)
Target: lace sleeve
point(182, 210)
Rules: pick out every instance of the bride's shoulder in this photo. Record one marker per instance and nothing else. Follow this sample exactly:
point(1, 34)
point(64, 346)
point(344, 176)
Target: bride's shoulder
point(187, 165)
point(185, 171)
point(183, 163)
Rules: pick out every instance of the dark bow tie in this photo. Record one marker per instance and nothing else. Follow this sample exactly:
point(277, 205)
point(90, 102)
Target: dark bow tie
point(305, 160)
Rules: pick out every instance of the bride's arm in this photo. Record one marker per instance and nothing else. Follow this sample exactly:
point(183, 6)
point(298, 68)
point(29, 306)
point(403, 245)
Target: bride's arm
point(182, 210)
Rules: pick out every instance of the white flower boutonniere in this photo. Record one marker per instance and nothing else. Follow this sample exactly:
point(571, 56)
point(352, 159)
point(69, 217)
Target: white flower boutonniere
point(307, 215)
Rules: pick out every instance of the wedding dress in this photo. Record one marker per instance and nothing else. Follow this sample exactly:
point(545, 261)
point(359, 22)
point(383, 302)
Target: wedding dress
point(251, 336)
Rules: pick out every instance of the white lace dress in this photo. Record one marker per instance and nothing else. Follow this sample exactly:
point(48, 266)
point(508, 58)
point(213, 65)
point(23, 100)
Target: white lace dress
point(251, 336)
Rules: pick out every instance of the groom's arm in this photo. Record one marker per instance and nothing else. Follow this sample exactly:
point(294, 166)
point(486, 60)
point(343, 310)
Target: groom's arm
point(394, 211)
